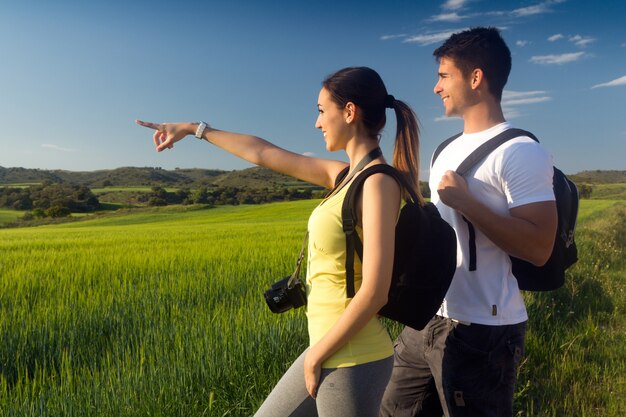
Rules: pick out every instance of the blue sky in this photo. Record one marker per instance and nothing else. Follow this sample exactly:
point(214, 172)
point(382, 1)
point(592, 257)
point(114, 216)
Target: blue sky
point(74, 75)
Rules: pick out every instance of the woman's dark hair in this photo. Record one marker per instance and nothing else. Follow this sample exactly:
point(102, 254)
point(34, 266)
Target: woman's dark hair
point(364, 87)
point(481, 48)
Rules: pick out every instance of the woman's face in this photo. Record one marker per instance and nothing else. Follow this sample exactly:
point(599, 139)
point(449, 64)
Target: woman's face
point(332, 122)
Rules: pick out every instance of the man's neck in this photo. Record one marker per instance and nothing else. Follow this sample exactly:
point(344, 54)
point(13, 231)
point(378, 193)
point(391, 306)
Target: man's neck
point(482, 117)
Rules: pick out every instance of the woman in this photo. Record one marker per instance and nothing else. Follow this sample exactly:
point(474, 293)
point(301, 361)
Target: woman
point(350, 357)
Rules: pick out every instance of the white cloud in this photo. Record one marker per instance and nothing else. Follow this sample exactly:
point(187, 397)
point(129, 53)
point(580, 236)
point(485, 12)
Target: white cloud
point(450, 14)
point(528, 100)
point(521, 43)
point(536, 9)
point(57, 148)
point(617, 82)
point(581, 41)
point(510, 113)
point(557, 59)
point(430, 39)
point(510, 94)
point(555, 37)
point(311, 154)
point(447, 17)
point(447, 119)
point(530, 10)
point(454, 4)
point(512, 99)
point(389, 37)
point(516, 98)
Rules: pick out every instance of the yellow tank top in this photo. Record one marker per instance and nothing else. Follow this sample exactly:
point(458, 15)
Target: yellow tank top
point(326, 288)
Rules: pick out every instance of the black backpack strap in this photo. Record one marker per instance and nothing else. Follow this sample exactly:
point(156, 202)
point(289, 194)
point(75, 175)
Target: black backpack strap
point(486, 148)
point(474, 158)
point(349, 217)
point(442, 146)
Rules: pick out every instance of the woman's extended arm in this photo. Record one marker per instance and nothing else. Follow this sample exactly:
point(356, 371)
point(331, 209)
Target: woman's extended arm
point(380, 207)
point(253, 149)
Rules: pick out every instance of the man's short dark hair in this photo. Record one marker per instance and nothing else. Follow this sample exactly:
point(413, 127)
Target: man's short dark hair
point(481, 48)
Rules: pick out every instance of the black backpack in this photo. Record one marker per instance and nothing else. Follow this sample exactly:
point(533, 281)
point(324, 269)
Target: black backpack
point(424, 259)
point(564, 253)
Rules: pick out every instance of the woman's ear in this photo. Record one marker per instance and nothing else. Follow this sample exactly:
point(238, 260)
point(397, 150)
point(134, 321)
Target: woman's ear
point(350, 112)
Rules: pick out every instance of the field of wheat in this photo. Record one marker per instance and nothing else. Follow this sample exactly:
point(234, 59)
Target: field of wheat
point(160, 312)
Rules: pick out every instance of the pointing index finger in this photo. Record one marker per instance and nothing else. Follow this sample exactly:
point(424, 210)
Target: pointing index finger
point(150, 125)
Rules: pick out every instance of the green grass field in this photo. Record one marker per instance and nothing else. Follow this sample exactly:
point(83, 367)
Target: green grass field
point(160, 312)
point(615, 191)
point(8, 215)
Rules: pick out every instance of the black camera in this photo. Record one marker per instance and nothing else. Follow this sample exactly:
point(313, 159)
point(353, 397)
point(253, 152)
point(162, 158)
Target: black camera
point(289, 292)
point(285, 294)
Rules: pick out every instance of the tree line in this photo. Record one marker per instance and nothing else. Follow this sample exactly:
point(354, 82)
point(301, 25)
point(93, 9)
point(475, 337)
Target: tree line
point(61, 199)
point(50, 200)
point(227, 195)
point(56, 200)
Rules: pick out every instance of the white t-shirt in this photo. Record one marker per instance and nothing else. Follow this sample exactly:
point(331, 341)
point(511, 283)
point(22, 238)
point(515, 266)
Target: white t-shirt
point(518, 172)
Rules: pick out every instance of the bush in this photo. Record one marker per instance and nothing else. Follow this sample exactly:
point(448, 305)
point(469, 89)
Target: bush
point(57, 211)
point(28, 216)
point(585, 190)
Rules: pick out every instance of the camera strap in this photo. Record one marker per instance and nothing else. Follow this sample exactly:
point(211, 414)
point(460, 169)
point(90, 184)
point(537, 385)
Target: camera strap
point(296, 274)
point(345, 177)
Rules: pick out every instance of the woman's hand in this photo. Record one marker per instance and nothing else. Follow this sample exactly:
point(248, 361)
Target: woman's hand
point(312, 372)
point(167, 134)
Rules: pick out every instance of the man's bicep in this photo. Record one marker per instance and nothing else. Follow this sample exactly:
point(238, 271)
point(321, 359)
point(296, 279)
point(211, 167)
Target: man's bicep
point(542, 219)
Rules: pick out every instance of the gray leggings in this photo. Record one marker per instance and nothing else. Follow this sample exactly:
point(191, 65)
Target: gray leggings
point(355, 391)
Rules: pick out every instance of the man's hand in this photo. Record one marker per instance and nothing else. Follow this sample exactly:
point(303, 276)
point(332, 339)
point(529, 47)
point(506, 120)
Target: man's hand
point(453, 190)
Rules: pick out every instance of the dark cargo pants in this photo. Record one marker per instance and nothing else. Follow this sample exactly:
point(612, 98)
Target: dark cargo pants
point(472, 367)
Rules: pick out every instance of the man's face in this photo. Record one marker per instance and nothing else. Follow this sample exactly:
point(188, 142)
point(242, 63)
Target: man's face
point(453, 88)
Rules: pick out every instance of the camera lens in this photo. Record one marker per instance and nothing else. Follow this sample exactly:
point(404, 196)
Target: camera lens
point(277, 298)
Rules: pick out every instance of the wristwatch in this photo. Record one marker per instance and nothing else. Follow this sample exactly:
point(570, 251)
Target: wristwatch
point(200, 130)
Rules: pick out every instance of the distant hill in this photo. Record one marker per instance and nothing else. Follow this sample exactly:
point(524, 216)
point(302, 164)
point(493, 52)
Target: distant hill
point(255, 177)
point(599, 177)
point(24, 175)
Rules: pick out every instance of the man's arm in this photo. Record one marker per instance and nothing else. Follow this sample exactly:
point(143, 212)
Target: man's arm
point(527, 232)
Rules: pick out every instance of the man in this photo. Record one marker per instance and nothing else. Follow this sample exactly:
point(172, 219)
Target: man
point(463, 363)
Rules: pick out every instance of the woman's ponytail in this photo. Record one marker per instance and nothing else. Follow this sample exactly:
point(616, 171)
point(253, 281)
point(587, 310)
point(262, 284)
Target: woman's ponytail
point(406, 155)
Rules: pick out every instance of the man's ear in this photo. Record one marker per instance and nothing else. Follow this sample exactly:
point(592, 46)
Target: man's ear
point(350, 112)
point(477, 78)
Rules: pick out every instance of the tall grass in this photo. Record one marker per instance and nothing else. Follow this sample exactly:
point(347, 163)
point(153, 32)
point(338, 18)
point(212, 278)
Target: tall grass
point(576, 344)
point(160, 312)
point(150, 314)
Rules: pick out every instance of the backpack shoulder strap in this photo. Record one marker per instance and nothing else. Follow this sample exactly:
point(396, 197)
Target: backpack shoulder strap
point(348, 209)
point(442, 146)
point(486, 148)
point(475, 157)
point(349, 218)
